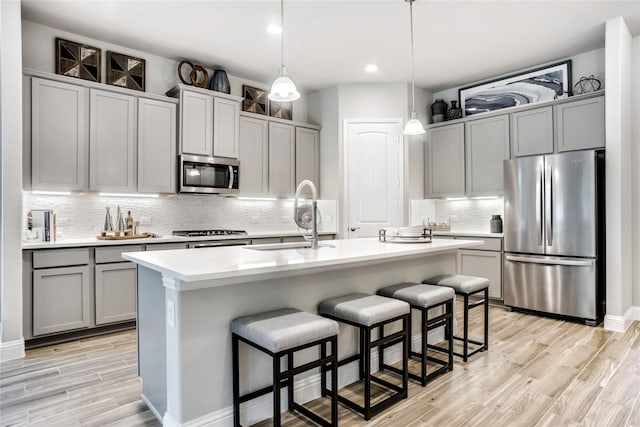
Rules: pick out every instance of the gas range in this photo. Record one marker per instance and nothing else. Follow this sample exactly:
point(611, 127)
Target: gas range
point(198, 233)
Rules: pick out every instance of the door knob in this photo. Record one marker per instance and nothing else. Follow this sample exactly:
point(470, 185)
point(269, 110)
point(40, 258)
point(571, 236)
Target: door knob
point(355, 228)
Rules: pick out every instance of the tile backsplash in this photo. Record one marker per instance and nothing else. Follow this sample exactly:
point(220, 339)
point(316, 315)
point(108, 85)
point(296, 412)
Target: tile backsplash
point(82, 215)
point(464, 215)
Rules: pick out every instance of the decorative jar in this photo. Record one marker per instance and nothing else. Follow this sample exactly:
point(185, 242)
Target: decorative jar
point(495, 225)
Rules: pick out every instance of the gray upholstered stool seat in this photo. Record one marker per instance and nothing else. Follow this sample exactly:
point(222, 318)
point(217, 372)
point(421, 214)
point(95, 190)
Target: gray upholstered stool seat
point(468, 286)
point(461, 284)
point(283, 329)
point(418, 294)
point(280, 334)
point(363, 309)
point(368, 312)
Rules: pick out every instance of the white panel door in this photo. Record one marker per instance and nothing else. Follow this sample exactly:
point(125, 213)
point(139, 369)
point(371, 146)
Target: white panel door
point(373, 176)
point(156, 146)
point(225, 127)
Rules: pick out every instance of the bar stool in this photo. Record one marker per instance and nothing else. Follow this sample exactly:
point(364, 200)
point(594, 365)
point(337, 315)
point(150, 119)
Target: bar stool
point(368, 312)
point(282, 333)
point(423, 298)
point(467, 286)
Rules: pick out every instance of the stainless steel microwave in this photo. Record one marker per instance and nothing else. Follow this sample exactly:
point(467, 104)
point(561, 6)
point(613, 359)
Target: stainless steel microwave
point(208, 175)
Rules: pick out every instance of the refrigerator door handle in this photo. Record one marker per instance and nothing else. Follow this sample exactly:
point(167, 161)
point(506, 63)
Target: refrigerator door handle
point(539, 203)
point(548, 261)
point(549, 204)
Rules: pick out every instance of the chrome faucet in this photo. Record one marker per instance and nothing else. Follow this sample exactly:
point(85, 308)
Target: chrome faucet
point(301, 217)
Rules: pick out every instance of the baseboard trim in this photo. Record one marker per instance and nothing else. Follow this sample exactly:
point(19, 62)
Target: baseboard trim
point(621, 323)
point(306, 389)
point(11, 350)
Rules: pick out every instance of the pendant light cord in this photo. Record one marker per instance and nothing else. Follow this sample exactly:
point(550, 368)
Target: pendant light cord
point(282, 34)
point(413, 71)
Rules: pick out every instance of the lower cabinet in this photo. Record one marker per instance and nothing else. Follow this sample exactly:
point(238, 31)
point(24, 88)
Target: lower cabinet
point(60, 299)
point(115, 292)
point(483, 264)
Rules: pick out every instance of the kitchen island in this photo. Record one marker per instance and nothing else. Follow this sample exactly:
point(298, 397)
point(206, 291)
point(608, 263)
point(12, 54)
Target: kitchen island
point(186, 300)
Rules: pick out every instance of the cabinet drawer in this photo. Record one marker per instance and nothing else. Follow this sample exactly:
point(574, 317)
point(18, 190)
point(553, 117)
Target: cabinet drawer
point(114, 254)
point(489, 243)
point(60, 257)
point(266, 240)
point(166, 246)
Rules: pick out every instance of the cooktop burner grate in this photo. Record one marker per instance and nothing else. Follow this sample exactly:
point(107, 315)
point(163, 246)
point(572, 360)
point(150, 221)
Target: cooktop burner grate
point(196, 233)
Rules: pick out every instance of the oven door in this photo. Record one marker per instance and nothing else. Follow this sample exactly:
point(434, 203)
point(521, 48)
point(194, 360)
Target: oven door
point(208, 175)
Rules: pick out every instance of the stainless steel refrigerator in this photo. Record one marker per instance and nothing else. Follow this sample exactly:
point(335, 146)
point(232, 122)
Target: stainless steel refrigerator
point(554, 234)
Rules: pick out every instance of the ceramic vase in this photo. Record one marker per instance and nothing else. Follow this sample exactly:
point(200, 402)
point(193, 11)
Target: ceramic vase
point(220, 82)
point(454, 112)
point(495, 225)
point(438, 109)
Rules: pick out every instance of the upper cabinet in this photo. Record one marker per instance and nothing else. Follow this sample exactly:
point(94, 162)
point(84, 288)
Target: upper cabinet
point(532, 132)
point(254, 157)
point(156, 146)
point(486, 147)
point(580, 124)
point(209, 122)
point(308, 156)
point(112, 140)
point(282, 159)
point(59, 136)
point(445, 154)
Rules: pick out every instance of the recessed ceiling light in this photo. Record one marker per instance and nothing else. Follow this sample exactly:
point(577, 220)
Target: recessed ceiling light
point(274, 29)
point(371, 68)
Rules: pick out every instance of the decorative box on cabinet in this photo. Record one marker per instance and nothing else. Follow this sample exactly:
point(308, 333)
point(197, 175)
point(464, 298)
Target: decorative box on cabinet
point(532, 132)
point(445, 155)
point(59, 136)
point(281, 159)
point(580, 124)
point(486, 147)
point(112, 142)
point(254, 156)
point(156, 146)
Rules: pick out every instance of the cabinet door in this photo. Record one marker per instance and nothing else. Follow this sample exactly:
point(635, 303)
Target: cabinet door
point(307, 157)
point(281, 159)
point(60, 299)
point(254, 157)
point(226, 128)
point(156, 146)
point(59, 136)
point(532, 132)
point(115, 292)
point(487, 146)
point(112, 141)
point(580, 124)
point(483, 264)
point(196, 123)
point(446, 156)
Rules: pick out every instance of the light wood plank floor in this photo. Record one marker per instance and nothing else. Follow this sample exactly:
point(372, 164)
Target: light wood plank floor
point(537, 372)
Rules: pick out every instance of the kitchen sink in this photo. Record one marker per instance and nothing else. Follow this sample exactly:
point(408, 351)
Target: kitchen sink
point(283, 246)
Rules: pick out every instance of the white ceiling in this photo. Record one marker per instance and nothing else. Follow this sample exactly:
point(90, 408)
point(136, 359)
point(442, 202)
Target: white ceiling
point(329, 42)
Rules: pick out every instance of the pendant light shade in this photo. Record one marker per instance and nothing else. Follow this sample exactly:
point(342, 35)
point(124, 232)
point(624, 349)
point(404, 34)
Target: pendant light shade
point(283, 89)
point(413, 126)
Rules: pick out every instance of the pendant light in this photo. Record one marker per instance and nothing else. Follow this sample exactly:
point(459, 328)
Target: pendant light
point(413, 126)
point(283, 89)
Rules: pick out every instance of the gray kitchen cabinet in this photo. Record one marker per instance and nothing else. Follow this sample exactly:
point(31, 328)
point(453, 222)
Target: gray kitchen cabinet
point(60, 299)
point(112, 141)
point(308, 156)
point(59, 136)
point(226, 127)
point(532, 132)
point(115, 292)
point(281, 159)
point(165, 246)
point(446, 161)
point(254, 157)
point(196, 123)
point(481, 263)
point(486, 147)
point(580, 124)
point(156, 146)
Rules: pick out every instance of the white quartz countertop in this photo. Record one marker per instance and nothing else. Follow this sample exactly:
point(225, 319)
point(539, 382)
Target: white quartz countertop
point(92, 241)
point(468, 233)
point(236, 264)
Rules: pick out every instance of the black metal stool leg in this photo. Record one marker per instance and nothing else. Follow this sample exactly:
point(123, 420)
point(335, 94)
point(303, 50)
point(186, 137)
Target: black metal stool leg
point(367, 373)
point(276, 391)
point(381, 349)
point(424, 336)
point(236, 381)
point(448, 331)
point(334, 381)
point(290, 381)
point(406, 349)
point(362, 347)
point(465, 343)
point(323, 370)
point(486, 319)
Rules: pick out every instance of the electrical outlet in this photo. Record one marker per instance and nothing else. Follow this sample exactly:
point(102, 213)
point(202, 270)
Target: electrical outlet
point(145, 220)
point(255, 219)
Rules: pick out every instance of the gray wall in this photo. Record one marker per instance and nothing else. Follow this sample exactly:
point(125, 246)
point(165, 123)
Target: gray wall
point(635, 155)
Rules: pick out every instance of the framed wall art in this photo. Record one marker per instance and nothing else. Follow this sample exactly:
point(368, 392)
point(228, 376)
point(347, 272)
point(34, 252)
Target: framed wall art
point(255, 100)
point(529, 87)
point(281, 110)
point(78, 60)
point(125, 71)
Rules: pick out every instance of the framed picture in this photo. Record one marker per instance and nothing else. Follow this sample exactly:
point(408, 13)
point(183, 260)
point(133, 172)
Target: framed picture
point(78, 60)
point(255, 100)
point(281, 110)
point(125, 71)
point(528, 87)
